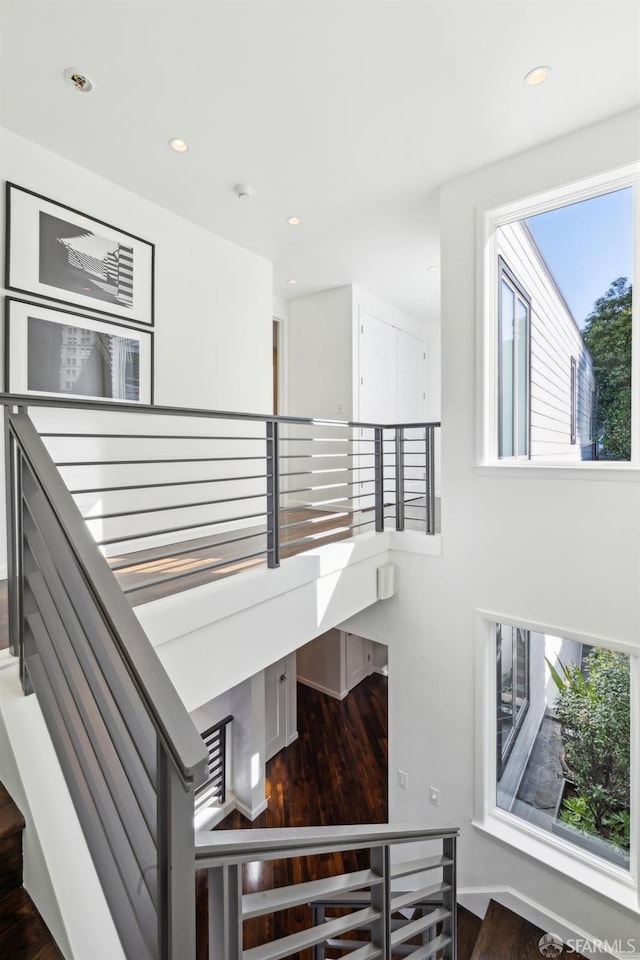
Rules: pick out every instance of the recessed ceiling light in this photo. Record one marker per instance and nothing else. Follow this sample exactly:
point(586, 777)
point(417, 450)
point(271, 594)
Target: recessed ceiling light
point(537, 76)
point(292, 282)
point(178, 145)
point(294, 221)
point(78, 81)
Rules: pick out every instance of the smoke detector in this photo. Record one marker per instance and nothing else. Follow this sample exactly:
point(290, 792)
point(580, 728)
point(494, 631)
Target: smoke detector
point(77, 80)
point(243, 191)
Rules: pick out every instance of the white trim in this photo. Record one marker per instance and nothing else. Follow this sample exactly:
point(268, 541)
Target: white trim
point(252, 814)
point(586, 470)
point(322, 689)
point(3, 571)
point(488, 219)
point(596, 874)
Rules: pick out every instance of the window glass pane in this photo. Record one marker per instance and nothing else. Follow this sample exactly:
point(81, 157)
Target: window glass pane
point(523, 377)
point(507, 308)
point(564, 758)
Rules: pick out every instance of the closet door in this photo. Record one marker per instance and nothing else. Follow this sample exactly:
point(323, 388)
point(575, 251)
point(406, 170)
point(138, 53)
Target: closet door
point(377, 395)
point(410, 405)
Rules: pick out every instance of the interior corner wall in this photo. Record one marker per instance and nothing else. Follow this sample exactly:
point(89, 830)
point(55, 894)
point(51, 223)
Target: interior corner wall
point(521, 546)
point(213, 299)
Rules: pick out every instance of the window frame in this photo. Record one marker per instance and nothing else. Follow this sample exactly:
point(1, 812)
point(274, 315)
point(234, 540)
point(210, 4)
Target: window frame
point(489, 219)
point(573, 426)
point(502, 756)
point(507, 274)
point(596, 874)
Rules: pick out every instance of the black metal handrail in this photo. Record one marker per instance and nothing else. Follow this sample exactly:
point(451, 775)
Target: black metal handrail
point(131, 755)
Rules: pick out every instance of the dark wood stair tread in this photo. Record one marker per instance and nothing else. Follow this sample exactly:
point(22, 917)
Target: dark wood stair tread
point(468, 930)
point(23, 933)
point(506, 936)
point(11, 820)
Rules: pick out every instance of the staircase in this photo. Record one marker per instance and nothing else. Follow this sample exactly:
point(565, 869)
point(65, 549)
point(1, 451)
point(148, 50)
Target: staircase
point(23, 933)
point(503, 935)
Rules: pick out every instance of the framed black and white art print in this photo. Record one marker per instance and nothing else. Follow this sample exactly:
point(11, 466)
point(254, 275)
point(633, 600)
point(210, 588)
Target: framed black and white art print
point(52, 352)
point(62, 254)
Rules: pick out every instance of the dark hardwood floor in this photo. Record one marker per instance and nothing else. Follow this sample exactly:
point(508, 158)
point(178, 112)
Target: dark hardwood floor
point(334, 773)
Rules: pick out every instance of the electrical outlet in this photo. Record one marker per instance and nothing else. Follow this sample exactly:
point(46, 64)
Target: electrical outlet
point(434, 796)
point(403, 780)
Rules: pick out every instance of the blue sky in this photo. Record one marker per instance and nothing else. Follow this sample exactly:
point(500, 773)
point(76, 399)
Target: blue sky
point(586, 246)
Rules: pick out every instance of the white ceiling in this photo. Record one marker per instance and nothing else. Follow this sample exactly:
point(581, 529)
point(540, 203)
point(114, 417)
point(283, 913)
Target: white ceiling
point(346, 113)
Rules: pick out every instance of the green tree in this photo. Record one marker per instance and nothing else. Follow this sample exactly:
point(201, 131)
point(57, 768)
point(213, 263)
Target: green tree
point(595, 714)
point(607, 334)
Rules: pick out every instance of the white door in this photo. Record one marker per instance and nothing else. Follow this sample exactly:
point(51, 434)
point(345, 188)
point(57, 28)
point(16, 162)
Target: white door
point(276, 697)
point(410, 407)
point(377, 396)
point(356, 660)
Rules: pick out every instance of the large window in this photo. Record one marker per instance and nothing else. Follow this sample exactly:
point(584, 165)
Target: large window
point(559, 751)
point(513, 367)
point(558, 318)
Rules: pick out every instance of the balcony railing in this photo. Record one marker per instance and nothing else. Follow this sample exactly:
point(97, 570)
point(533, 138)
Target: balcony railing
point(176, 497)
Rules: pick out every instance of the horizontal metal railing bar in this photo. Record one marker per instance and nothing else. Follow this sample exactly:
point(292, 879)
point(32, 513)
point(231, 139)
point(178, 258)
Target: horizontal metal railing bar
point(402, 900)
point(165, 483)
point(325, 456)
point(349, 469)
point(419, 926)
point(430, 949)
point(293, 895)
point(295, 942)
point(229, 562)
point(147, 436)
point(61, 403)
point(184, 526)
point(368, 951)
point(241, 846)
point(419, 866)
point(129, 463)
point(172, 506)
point(131, 562)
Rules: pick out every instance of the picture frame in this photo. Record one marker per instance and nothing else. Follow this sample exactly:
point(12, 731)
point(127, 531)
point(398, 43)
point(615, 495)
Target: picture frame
point(62, 254)
point(53, 352)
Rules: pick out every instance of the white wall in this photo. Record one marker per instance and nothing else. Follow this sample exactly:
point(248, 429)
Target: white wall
point(521, 547)
point(213, 299)
point(319, 664)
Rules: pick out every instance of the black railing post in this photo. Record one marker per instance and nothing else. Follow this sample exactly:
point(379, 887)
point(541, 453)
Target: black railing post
point(273, 494)
point(378, 470)
point(399, 478)
point(381, 898)
point(430, 483)
point(449, 898)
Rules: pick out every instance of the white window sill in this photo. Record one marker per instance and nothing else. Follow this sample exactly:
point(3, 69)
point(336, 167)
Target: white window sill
point(579, 866)
point(584, 470)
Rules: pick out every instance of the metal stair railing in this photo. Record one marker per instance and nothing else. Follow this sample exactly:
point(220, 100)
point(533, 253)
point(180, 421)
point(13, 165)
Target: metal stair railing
point(190, 491)
point(129, 751)
point(425, 910)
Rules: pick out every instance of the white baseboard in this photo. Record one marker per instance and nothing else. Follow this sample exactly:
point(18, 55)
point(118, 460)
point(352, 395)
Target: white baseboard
point(337, 695)
point(252, 814)
point(476, 899)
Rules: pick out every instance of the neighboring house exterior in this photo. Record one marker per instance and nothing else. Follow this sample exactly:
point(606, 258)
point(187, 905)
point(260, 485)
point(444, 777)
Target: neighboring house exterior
point(551, 411)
